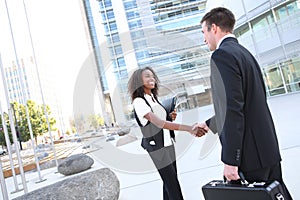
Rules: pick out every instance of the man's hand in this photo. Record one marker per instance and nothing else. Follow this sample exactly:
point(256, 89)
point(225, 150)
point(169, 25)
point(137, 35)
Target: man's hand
point(231, 172)
point(200, 128)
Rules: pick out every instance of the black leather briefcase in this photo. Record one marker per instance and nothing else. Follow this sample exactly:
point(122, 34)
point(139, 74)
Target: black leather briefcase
point(220, 190)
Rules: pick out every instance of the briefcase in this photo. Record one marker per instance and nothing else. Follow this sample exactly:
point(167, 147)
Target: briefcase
point(220, 190)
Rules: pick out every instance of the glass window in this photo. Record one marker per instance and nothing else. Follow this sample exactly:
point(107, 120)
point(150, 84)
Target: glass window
point(118, 50)
point(106, 29)
point(107, 3)
point(135, 24)
point(123, 74)
point(132, 14)
point(112, 26)
point(103, 16)
point(261, 27)
point(274, 81)
point(130, 5)
point(110, 14)
point(142, 54)
point(140, 44)
point(112, 52)
point(114, 63)
point(121, 62)
point(292, 7)
point(281, 13)
point(108, 40)
point(101, 5)
point(291, 74)
point(137, 34)
point(115, 38)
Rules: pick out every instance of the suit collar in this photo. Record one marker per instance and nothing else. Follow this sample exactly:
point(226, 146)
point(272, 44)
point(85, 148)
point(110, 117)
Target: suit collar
point(223, 38)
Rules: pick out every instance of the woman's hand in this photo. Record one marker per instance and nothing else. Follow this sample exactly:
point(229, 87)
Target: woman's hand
point(173, 115)
point(200, 129)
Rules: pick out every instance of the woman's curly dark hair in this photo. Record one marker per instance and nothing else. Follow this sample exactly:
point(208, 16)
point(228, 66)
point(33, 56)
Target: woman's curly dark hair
point(135, 84)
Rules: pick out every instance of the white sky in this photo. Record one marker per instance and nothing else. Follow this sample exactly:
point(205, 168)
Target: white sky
point(58, 36)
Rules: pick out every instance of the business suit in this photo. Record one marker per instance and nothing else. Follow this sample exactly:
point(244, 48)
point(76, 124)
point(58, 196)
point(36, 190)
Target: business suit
point(242, 117)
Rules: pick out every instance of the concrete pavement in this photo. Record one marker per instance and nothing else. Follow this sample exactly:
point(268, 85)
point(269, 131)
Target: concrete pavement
point(198, 164)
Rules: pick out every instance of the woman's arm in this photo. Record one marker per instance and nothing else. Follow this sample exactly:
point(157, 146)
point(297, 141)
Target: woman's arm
point(174, 126)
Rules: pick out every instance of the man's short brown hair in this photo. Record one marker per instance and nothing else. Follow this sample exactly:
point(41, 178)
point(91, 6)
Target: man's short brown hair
point(221, 17)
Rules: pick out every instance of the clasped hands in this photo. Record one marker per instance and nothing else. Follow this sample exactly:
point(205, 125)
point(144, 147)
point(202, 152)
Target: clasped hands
point(199, 129)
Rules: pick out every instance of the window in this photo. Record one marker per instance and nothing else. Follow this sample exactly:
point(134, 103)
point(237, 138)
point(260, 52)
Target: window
point(106, 28)
point(103, 16)
point(281, 13)
point(261, 27)
point(140, 45)
point(112, 26)
point(101, 5)
point(110, 14)
point(108, 40)
point(112, 52)
point(118, 50)
point(135, 24)
point(107, 3)
point(132, 14)
point(123, 74)
point(115, 38)
point(142, 54)
point(121, 62)
point(287, 10)
point(130, 5)
point(137, 34)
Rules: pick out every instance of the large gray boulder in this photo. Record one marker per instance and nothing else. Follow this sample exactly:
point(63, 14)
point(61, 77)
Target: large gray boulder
point(101, 184)
point(75, 164)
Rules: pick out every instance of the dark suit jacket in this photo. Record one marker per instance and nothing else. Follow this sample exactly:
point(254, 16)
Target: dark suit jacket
point(242, 117)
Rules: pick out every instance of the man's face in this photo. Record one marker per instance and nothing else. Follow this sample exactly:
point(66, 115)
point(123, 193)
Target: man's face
point(209, 36)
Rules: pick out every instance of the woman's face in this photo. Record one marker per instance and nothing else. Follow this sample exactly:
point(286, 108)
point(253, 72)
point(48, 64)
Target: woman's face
point(148, 80)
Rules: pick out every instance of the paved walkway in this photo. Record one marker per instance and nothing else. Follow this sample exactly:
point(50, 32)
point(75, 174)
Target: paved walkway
point(200, 162)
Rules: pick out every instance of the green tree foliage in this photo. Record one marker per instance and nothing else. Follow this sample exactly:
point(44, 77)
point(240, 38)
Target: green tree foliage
point(37, 119)
point(95, 121)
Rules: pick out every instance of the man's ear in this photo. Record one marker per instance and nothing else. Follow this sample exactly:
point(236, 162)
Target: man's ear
point(214, 28)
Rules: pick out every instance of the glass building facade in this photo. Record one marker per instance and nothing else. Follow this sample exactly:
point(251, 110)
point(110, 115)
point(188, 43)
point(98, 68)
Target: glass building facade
point(273, 37)
point(166, 35)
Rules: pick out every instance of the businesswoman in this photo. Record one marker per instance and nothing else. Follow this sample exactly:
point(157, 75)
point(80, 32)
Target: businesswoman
point(157, 129)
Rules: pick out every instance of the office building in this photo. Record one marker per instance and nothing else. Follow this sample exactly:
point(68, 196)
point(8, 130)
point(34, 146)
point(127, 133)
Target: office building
point(166, 35)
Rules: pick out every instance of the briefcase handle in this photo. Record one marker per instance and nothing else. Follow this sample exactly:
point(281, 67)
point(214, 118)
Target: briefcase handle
point(241, 181)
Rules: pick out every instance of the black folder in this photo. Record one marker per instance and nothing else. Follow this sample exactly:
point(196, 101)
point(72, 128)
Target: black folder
point(169, 104)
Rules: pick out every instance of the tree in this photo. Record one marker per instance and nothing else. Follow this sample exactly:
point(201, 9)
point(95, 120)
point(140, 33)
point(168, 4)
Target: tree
point(37, 119)
point(95, 121)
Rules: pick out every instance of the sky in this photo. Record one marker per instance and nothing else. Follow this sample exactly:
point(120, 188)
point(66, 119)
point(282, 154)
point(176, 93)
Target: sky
point(59, 41)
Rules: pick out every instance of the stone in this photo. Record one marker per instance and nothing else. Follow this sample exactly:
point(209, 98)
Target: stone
point(101, 184)
point(123, 131)
point(75, 164)
point(126, 140)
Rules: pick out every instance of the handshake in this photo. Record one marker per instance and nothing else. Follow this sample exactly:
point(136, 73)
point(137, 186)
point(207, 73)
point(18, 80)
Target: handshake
point(199, 129)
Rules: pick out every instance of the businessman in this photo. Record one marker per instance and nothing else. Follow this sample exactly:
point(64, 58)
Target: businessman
point(242, 117)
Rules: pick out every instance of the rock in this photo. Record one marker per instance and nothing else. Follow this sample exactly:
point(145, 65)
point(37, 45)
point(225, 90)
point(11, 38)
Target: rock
point(126, 140)
point(101, 184)
point(123, 131)
point(75, 164)
point(42, 155)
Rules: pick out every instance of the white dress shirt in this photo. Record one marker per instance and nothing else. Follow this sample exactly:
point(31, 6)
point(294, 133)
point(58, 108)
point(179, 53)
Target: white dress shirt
point(141, 109)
